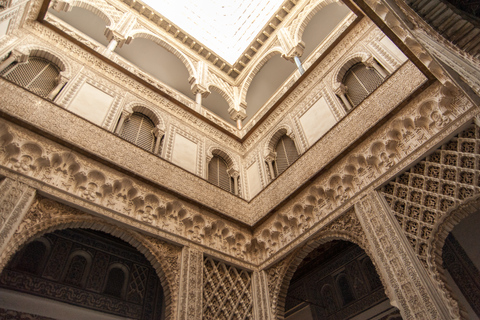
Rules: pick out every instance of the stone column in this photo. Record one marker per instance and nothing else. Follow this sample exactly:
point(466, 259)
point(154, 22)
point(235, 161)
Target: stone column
point(238, 115)
point(234, 174)
point(124, 116)
point(269, 158)
point(159, 133)
point(261, 299)
point(341, 92)
point(61, 82)
point(14, 56)
point(191, 285)
point(408, 285)
point(15, 200)
point(372, 63)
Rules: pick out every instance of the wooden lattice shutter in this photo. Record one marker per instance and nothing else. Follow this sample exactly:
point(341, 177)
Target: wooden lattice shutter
point(37, 75)
point(217, 173)
point(138, 129)
point(360, 82)
point(286, 154)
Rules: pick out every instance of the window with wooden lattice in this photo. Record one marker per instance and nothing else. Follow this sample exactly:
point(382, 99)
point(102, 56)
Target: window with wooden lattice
point(360, 82)
point(38, 75)
point(218, 175)
point(286, 154)
point(138, 129)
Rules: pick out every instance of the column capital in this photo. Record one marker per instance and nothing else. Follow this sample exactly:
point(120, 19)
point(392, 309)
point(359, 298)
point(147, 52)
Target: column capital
point(62, 5)
point(340, 89)
point(232, 172)
point(270, 156)
point(294, 51)
point(238, 114)
point(112, 34)
point(158, 132)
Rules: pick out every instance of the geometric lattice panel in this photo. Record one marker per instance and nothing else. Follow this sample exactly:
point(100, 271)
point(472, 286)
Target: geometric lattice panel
point(423, 194)
point(226, 292)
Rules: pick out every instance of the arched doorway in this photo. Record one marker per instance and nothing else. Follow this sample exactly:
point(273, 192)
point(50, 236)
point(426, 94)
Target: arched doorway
point(461, 264)
point(337, 280)
point(81, 274)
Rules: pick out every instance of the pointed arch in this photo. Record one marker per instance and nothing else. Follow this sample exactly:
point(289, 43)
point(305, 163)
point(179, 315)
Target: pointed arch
point(277, 50)
point(187, 62)
point(300, 23)
point(330, 233)
point(47, 216)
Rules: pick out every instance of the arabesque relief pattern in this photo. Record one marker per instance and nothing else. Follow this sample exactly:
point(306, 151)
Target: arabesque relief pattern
point(227, 292)
point(381, 152)
point(31, 155)
point(346, 226)
point(423, 196)
point(46, 215)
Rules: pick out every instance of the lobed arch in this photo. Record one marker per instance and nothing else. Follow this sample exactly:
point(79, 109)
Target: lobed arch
point(223, 93)
point(345, 64)
point(95, 9)
point(255, 69)
point(151, 113)
point(36, 224)
point(145, 34)
point(225, 155)
point(293, 261)
point(273, 138)
point(439, 235)
point(49, 54)
point(299, 27)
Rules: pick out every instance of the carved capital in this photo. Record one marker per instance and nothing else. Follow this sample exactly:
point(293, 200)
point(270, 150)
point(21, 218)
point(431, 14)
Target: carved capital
point(232, 172)
point(239, 114)
point(294, 51)
point(62, 5)
point(271, 156)
point(341, 89)
point(158, 132)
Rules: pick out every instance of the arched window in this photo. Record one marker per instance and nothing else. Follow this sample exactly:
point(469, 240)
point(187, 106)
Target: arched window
point(115, 284)
point(76, 270)
point(37, 75)
point(345, 289)
point(218, 175)
point(286, 154)
point(138, 129)
point(360, 82)
point(32, 258)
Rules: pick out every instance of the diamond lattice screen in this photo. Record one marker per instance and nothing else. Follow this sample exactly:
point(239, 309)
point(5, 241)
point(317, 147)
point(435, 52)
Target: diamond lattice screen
point(286, 154)
point(37, 75)
point(226, 292)
point(217, 173)
point(138, 129)
point(422, 196)
point(360, 82)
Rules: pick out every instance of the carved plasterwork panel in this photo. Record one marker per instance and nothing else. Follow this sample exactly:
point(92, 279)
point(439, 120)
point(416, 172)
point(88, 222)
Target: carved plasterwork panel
point(46, 215)
point(346, 227)
point(423, 196)
point(131, 200)
point(227, 292)
point(407, 131)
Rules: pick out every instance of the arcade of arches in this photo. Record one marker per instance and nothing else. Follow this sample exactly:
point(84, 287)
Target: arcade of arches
point(331, 172)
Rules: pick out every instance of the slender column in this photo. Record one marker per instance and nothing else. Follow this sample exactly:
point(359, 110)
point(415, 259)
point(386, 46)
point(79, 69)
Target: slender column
point(299, 64)
point(238, 114)
point(234, 174)
point(158, 137)
point(191, 285)
point(14, 56)
point(124, 116)
point(15, 200)
point(372, 63)
point(341, 92)
point(408, 284)
point(61, 82)
point(269, 159)
point(261, 298)
point(112, 45)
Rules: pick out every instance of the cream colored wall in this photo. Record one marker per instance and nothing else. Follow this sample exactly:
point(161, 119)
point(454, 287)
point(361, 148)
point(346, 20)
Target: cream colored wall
point(254, 181)
point(4, 27)
point(317, 120)
point(184, 153)
point(91, 103)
